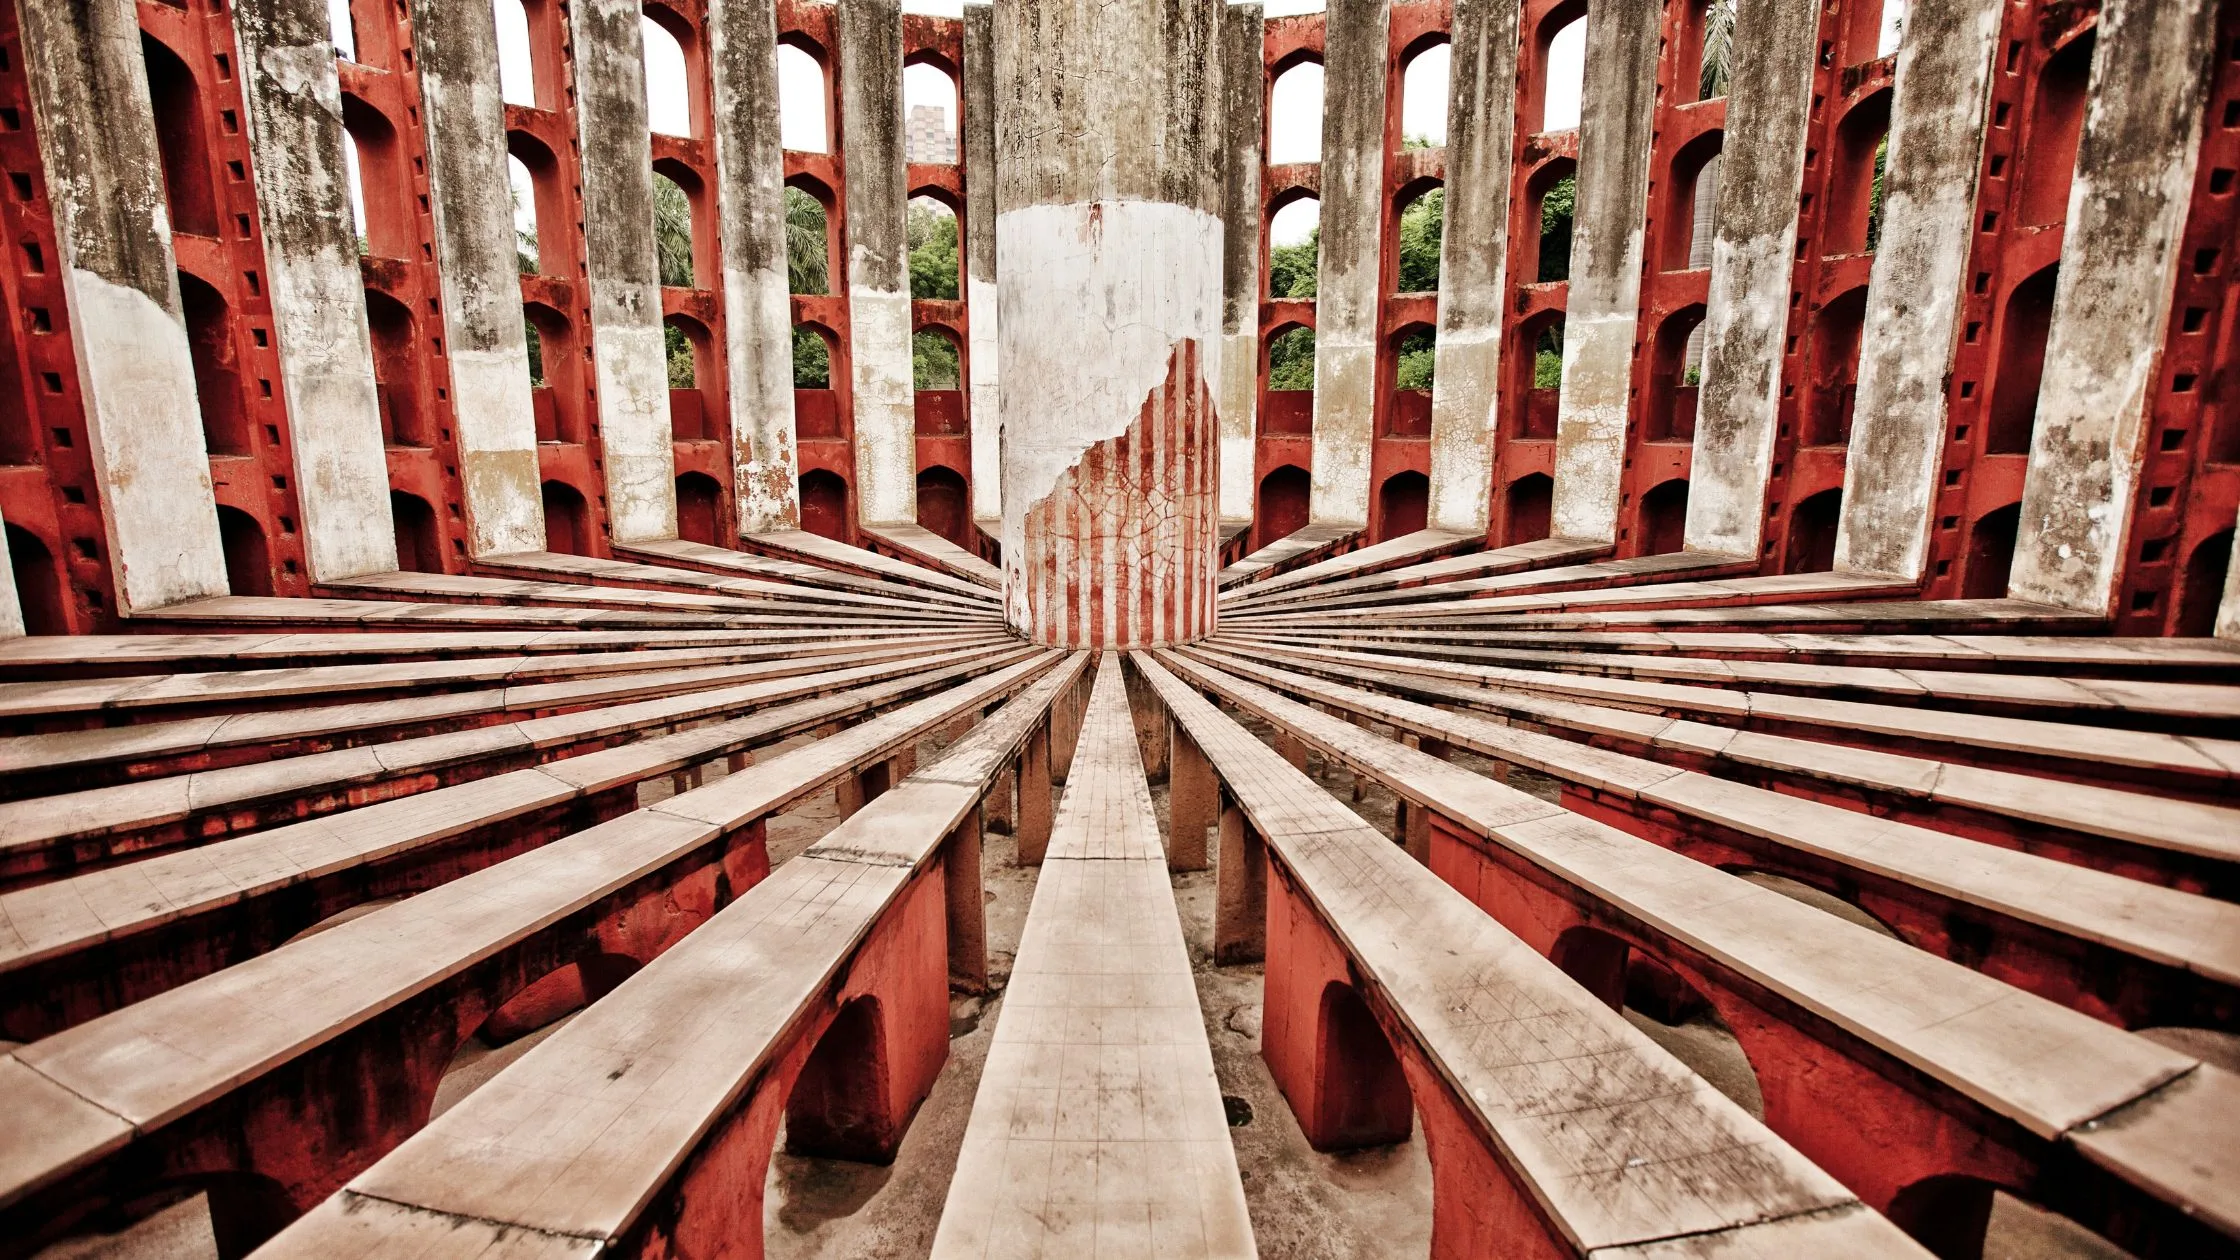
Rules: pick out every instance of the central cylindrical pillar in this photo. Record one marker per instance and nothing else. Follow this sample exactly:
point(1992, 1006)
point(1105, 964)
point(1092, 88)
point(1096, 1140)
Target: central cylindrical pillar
point(1108, 274)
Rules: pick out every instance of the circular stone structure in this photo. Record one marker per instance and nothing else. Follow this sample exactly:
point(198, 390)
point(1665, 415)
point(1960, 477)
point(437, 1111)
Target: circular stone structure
point(1108, 273)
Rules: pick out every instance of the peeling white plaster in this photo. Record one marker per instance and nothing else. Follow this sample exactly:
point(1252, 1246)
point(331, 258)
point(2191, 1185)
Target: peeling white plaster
point(11, 605)
point(1915, 288)
point(985, 364)
point(496, 428)
point(758, 340)
point(1238, 398)
point(137, 377)
point(1464, 395)
point(1095, 297)
point(2228, 611)
point(636, 440)
point(886, 417)
point(1744, 332)
point(1591, 410)
point(2111, 306)
point(318, 306)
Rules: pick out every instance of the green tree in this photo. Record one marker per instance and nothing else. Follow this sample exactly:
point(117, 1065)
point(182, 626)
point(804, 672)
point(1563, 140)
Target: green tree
point(1291, 360)
point(1718, 48)
point(1874, 199)
point(1421, 226)
point(524, 238)
point(536, 353)
point(812, 360)
point(672, 232)
point(1418, 358)
point(933, 361)
point(1557, 208)
point(807, 262)
point(933, 251)
point(1547, 358)
point(681, 370)
point(1291, 268)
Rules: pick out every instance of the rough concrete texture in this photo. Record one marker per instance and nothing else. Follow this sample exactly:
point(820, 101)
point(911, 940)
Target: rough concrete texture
point(629, 359)
point(1913, 296)
point(1242, 124)
point(1348, 272)
point(1616, 113)
point(1753, 262)
point(97, 139)
point(1473, 261)
point(757, 307)
point(1109, 267)
point(980, 262)
point(483, 337)
point(318, 302)
point(886, 421)
point(2111, 306)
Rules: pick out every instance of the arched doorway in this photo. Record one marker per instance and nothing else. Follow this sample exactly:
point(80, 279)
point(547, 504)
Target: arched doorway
point(1281, 510)
point(942, 506)
point(824, 504)
point(248, 562)
point(699, 509)
point(567, 520)
point(1403, 505)
point(419, 542)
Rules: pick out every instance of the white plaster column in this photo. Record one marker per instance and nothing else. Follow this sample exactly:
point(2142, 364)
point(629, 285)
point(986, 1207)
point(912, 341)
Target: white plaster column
point(97, 141)
point(2136, 162)
point(1616, 117)
point(886, 418)
point(1109, 269)
point(1473, 262)
point(986, 357)
point(1753, 269)
point(296, 141)
point(480, 271)
point(2228, 610)
point(1242, 126)
point(629, 359)
point(1915, 288)
point(757, 305)
point(11, 600)
point(1347, 273)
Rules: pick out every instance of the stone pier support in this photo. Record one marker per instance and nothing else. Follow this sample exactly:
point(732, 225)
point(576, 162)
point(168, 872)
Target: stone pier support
point(296, 141)
point(1753, 261)
point(2111, 308)
point(757, 308)
point(1109, 270)
point(886, 421)
point(97, 140)
point(1473, 262)
point(1242, 124)
point(1920, 276)
point(980, 264)
point(484, 342)
point(628, 357)
point(1616, 128)
point(1348, 270)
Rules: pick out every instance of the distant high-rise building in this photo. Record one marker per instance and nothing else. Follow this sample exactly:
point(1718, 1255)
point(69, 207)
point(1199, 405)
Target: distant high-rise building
point(930, 138)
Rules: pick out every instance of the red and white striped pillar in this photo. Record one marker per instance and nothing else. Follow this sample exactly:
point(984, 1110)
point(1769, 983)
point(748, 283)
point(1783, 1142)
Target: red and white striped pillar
point(1109, 272)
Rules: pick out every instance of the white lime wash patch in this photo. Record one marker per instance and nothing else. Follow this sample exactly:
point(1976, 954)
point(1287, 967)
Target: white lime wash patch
point(1096, 298)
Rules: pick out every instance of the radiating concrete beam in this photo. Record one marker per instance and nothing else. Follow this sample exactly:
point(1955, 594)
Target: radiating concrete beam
point(757, 304)
point(97, 140)
point(1108, 236)
point(1616, 129)
point(1916, 286)
point(294, 101)
point(980, 262)
point(886, 422)
point(480, 271)
point(2136, 162)
point(1242, 124)
point(629, 358)
point(1348, 272)
point(1753, 268)
point(11, 600)
point(2228, 609)
point(1473, 261)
